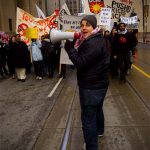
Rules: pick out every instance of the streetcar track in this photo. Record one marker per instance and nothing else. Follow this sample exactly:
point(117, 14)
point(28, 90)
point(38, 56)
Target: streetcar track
point(65, 142)
point(136, 91)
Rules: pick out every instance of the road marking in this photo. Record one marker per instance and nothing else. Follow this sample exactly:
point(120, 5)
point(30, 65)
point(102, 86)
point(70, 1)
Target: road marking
point(55, 87)
point(140, 70)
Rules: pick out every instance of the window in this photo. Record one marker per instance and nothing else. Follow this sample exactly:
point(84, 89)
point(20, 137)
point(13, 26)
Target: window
point(10, 24)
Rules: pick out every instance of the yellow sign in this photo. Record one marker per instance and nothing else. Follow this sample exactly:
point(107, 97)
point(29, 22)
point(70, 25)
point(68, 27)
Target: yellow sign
point(32, 33)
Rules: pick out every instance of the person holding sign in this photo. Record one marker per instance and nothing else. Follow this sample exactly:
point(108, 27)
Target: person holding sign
point(90, 56)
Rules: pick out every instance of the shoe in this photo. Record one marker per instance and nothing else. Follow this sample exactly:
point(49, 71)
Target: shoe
point(23, 80)
point(40, 78)
point(13, 76)
point(84, 146)
point(18, 79)
point(37, 77)
point(100, 135)
point(128, 71)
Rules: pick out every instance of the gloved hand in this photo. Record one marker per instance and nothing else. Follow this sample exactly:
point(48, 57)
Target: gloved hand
point(69, 45)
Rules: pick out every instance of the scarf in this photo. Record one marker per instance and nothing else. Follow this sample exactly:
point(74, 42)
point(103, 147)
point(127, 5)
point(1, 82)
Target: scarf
point(122, 32)
point(81, 39)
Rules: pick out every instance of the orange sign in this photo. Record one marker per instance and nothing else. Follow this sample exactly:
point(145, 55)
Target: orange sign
point(95, 6)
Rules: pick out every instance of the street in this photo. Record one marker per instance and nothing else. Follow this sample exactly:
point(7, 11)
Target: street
point(29, 119)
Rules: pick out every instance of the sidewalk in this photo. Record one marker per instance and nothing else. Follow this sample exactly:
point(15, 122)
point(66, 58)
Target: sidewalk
point(140, 40)
point(126, 122)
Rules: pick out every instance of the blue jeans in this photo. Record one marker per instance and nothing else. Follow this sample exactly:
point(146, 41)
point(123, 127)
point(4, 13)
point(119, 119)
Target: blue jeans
point(92, 115)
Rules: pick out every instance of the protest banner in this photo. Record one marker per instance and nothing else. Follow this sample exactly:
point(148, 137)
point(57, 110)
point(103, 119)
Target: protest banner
point(131, 22)
point(4, 38)
point(25, 20)
point(105, 18)
point(119, 8)
point(40, 12)
point(70, 23)
point(63, 11)
point(92, 6)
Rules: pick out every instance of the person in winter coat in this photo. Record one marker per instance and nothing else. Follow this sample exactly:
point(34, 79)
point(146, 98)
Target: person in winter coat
point(37, 58)
point(10, 56)
point(3, 60)
point(113, 57)
point(123, 46)
point(49, 55)
point(91, 58)
point(20, 58)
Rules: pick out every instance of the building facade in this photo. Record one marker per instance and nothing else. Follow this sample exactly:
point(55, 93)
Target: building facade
point(8, 11)
point(74, 6)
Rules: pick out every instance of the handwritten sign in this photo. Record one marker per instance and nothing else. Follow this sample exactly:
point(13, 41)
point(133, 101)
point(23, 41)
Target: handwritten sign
point(71, 22)
point(25, 20)
point(105, 16)
point(131, 22)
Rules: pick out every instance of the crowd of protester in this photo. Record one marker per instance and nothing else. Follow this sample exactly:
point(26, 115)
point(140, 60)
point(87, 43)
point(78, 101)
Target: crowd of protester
point(17, 59)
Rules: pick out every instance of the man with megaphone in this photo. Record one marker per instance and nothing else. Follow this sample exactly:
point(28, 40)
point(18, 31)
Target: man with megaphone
point(90, 56)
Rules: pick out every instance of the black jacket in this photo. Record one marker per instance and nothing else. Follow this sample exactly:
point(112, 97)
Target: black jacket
point(123, 43)
point(3, 54)
point(92, 62)
point(21, 55)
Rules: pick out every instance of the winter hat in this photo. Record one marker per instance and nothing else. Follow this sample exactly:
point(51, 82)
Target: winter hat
point(91, 19)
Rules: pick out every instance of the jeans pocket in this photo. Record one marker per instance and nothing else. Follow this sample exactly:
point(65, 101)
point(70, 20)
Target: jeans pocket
point(92, 97)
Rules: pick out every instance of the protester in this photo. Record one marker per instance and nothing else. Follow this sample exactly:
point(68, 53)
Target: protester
point(123, 40)
point(3, 59)
point(10, 56)
point(20, 58)
point(107, 40)
point(91, 58)
point(37, 58)
point(113, 57)
point(49, 55)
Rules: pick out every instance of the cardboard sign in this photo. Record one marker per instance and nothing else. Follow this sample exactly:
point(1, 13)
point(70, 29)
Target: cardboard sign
point(32, 33)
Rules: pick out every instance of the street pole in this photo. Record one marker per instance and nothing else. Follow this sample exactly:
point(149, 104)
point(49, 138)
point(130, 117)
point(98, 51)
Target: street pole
point(143, 21)
point(46, 8)
point(59, 4)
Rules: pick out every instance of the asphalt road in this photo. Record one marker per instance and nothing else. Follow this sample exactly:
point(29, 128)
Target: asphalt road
point(29, 119)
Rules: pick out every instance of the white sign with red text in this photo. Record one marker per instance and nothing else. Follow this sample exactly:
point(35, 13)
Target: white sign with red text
point(25, 21)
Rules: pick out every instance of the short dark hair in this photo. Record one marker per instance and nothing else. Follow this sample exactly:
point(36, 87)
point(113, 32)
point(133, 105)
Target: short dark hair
point(17, 35)
point(121, 24)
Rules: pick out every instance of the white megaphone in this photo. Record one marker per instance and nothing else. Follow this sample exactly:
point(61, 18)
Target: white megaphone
point(57, 35)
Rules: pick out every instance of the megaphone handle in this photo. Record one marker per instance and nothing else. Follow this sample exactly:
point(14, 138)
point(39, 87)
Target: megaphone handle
point(77, 35)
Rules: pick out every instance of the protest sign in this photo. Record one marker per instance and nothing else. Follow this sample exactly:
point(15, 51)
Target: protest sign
point(32, 33)
point(70, 23)
point(131, 22)
point(25, 20)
